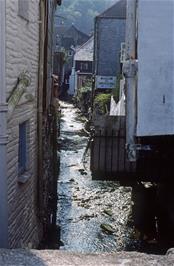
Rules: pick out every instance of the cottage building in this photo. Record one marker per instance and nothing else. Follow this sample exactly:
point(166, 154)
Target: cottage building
point(68, 38)
point(25, 51)
point(109, 35)
point(82, 66)
point(149, 69)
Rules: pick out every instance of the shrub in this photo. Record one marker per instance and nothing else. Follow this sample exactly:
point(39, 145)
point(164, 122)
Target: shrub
point(102, 103)
point(83, 99)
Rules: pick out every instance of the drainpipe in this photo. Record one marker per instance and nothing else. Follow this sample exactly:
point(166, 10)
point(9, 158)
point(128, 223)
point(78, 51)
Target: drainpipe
point(130, 72)
point(3, 135)
point(40, 110)
point(94, 65)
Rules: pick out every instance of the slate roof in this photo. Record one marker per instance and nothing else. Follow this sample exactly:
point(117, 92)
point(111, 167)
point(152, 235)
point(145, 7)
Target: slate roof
point(85, 52)
point(60, 30)
point(70, 36)
point(73, 28)
point(66, 30)
point(118, 10)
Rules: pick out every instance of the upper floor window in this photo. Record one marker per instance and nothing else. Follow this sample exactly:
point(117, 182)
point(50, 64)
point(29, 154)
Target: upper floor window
point(22, 150)
point(84, 66)
point(70, 53)
point(23, 9)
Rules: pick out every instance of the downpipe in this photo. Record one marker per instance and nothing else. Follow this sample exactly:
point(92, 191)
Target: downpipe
point(130, 68)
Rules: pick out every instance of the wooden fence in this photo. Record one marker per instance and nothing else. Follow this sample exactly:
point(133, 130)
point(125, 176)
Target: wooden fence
point(108, 153)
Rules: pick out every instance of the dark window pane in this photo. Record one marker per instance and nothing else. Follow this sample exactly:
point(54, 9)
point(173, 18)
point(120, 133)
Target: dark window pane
point(22, 157)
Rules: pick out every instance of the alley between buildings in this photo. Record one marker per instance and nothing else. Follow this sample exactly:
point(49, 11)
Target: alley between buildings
point(86, 132)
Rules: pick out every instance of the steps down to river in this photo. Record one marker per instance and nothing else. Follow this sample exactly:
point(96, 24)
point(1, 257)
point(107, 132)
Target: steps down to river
point(62, 258)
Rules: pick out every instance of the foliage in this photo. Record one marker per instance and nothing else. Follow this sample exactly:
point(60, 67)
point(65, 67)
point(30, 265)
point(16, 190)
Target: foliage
point(88, 84)
point(83, 99)
point(82, 12)
point(102, 103)
point(82, 92)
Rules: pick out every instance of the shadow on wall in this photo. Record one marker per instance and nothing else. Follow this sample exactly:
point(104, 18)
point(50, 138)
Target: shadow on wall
point(21, 257)
point(153, 216)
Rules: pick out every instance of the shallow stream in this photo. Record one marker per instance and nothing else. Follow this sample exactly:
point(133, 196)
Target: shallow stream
point(93, 216)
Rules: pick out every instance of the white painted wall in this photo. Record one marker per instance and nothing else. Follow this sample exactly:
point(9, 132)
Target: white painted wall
point(22, 54)
point(22, 44)
point(3, 135)
point(155, 93)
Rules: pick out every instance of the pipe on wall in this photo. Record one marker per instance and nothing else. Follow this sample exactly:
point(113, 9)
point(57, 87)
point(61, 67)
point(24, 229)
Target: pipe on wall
point(130, 71)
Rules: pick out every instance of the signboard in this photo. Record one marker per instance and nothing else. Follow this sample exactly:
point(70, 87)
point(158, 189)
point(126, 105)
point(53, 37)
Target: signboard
point(105, 82)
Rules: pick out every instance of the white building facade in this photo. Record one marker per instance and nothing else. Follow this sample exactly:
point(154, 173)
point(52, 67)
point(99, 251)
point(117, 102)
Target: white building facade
point(19, 81)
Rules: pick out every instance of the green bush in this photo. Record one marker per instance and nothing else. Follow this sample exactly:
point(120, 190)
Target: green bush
point(102, 103)
point(83, 99)
point(82, 92)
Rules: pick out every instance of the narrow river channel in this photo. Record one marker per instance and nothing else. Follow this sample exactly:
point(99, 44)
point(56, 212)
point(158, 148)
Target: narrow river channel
point(94, 216)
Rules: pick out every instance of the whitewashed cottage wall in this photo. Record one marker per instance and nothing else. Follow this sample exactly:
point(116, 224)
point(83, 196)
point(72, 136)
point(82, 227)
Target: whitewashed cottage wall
point(3, 134)
point(22, 55)
point(155, 92)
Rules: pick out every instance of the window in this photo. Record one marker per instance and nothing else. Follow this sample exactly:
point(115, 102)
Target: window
point(22, 152)
point(84, 66)
point(23, 9)
point(70, 53)
point(123, 52)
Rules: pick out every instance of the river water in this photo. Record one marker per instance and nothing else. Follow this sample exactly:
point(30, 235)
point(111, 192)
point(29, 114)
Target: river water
point(94, 216)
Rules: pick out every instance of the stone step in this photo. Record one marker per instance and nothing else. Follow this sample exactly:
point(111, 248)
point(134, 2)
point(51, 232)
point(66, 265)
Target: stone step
point(26, 257)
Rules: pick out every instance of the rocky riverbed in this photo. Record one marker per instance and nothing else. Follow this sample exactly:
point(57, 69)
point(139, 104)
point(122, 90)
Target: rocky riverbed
point(98, 216)
point(92, 214)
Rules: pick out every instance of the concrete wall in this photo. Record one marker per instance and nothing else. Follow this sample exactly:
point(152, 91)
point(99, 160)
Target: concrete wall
point(109, 34)
point(22, 54)
point(155, 68)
